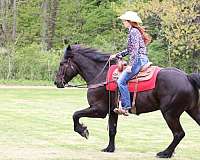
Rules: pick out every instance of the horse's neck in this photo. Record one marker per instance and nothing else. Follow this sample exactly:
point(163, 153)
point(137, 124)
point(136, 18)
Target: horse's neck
point(90, 70)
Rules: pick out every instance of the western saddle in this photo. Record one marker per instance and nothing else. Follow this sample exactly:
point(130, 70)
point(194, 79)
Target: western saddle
point(145, 73)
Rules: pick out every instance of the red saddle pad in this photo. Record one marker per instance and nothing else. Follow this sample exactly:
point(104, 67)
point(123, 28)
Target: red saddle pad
point(142, 85)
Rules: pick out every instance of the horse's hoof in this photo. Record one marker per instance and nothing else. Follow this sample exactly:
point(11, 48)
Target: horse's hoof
point(83, 131)
point(164, 154)
point(85, 134)
point(108, 149)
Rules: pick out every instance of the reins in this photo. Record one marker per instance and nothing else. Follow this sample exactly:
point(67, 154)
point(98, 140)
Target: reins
point(88, 85)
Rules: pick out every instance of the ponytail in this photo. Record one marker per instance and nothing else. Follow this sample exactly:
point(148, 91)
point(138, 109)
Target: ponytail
point(146, 37)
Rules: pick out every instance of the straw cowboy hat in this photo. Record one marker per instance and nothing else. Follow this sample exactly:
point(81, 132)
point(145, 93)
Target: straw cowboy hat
point(131, 16)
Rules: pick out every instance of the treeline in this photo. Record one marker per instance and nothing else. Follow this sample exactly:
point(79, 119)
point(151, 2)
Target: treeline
point(32, 32)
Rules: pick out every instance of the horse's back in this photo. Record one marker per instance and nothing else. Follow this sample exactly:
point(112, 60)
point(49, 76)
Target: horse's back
point(173, 84)
point(175, 79)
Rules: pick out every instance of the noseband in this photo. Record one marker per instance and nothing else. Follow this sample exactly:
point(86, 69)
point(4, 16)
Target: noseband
point(62, 73)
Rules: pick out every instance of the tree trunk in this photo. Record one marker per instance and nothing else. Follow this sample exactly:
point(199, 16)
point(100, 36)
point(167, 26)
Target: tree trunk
point(52, 22)
point(44, 24)
point(49, 15)
point(14, 21)
point(4, 20)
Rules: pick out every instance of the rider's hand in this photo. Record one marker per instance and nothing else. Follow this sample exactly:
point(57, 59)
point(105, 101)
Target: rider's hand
point(113, 56)
point(128, 69)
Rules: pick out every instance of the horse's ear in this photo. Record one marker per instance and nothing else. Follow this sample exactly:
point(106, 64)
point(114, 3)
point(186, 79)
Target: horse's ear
point(69, 48)
point(68, 52)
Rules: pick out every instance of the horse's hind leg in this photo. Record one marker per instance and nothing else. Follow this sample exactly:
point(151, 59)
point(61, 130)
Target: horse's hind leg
point(92, 112)
point(173, 122)
point(195, 114)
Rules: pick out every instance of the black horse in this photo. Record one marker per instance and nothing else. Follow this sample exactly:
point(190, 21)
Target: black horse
point(175, 92)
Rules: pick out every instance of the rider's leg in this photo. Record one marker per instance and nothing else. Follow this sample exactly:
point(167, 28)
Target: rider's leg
point(123, 87)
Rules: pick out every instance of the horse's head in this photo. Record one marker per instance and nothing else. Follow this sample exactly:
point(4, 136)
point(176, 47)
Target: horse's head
point(67, 69)
point(87, 62)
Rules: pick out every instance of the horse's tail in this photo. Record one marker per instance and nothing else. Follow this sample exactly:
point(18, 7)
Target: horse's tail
point(194, 78)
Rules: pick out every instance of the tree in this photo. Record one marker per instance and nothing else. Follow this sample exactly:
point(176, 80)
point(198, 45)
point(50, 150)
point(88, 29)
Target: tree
point(4, 20)
point(14, 20)
point(49, 14)
point(52, 22)
point(181, 32)
point(45, 19)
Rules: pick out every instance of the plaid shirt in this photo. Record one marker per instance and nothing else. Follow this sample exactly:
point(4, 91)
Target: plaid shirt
point(136, 46)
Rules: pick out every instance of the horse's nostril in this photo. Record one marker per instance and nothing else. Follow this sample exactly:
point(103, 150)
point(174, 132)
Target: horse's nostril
point(55, 83)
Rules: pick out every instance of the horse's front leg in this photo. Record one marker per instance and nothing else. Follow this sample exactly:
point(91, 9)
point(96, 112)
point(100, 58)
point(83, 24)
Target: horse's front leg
point(92, 112)
point(113, 117)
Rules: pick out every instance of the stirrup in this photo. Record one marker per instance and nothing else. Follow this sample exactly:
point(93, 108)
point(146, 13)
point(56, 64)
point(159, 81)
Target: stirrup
point(121, 111)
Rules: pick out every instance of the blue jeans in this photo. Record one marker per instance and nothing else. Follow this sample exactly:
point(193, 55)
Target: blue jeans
point(125, 77)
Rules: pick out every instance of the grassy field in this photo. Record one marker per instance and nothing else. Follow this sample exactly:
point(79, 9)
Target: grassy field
point(36, 124)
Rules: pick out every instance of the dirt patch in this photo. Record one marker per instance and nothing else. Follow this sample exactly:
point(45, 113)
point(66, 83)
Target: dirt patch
point(30, 153)
point(67, 154)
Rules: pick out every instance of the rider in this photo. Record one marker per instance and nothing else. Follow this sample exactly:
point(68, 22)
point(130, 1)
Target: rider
point(137, 41)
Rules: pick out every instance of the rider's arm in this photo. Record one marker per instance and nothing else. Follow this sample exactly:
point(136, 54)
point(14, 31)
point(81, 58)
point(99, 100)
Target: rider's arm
point(122, 53)
point(133, 44)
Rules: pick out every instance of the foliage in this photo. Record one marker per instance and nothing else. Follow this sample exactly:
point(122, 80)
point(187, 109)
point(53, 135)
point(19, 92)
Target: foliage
point(90, 23)
point(173, 25)
point(176, 24)
point(157, 54)
point(31, 63)
point(29, 22)
point(181, 32)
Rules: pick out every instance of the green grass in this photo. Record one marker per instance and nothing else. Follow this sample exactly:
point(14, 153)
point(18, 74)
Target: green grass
point(36, 124)
point(25, 82)
point(22, 82)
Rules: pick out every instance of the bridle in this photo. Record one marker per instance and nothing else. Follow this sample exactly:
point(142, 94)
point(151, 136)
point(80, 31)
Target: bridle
point(67, 63)
point(62, 72)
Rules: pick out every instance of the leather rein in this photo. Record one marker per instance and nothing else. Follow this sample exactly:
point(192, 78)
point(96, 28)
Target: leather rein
point(88, 85)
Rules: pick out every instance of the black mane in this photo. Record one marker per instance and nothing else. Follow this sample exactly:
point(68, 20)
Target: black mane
point(91, 53)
